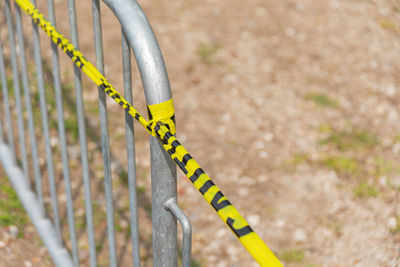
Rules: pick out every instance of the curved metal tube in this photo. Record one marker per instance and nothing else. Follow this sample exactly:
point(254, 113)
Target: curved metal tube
point(145, 47)
point(157, 90)
point(186, 231)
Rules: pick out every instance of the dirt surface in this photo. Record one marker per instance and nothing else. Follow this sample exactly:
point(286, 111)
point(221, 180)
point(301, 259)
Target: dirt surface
point(26, 250)
point(292, 108)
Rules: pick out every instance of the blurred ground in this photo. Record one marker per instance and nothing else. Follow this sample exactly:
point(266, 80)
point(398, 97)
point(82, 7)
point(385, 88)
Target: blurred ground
point(292, 107)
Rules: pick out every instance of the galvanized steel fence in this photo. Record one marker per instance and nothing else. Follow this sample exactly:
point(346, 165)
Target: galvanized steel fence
point(21, 158)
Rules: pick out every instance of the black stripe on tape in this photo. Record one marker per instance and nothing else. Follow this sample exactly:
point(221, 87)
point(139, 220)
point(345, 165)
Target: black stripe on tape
point(186, 158)
point(219, 205)
point(207, 185)
point(196, 175)
point(181, 165)
point(238, 232)
point(175, 144)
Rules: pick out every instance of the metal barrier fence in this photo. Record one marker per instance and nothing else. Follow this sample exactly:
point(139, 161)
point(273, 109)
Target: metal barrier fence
point(21, 161)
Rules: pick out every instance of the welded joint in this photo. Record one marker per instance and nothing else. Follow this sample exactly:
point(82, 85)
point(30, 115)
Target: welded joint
point(183, 219)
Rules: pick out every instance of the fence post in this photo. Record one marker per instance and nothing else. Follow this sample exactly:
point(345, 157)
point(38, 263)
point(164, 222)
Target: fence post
point(156, 85)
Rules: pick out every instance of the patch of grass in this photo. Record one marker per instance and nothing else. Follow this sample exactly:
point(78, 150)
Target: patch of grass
point(93, 108)
point(322, 100)
point(99, 247)
point(141, 190)
point(119, 228)
point(271, 209)
point(382, 166)
point(196, 263)
point(299, 159)
point(389, 25)
point(119, 136)
point(335, 225)
point(80, 219)
point(11, 210)
point(67, 87)
point(350, 139)
point(294, 255)
point(365, 139)
point(128, 232)
point(396, 230)
point(50, 96)
point(123, 178)
point(293, 162)
point(365, 190)
point(206, 52)
point(10, 87)
point(342, 164)
point(99, 215)
point(148, 209)
point(144, 176)
point(386, 24)
point(324, 128)
point(71, 126)
point(80, 222)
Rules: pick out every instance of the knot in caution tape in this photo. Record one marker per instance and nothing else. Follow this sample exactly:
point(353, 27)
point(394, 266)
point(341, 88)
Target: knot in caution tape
point(162, 114)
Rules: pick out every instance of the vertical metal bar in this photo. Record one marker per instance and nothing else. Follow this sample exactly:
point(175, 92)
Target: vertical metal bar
point(82, 133)
point(4, 79)
point(28, 103)
point(130, 146)
point(163, 187)
point(1, 129)
point(105, 148)
point(186, 231)
point(1, 126)
point(42, 93)
point(49, 157)
point(17, 90)
point(6, 103)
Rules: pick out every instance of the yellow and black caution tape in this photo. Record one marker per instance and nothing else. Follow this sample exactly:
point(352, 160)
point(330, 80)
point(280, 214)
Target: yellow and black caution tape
point(162, 126)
